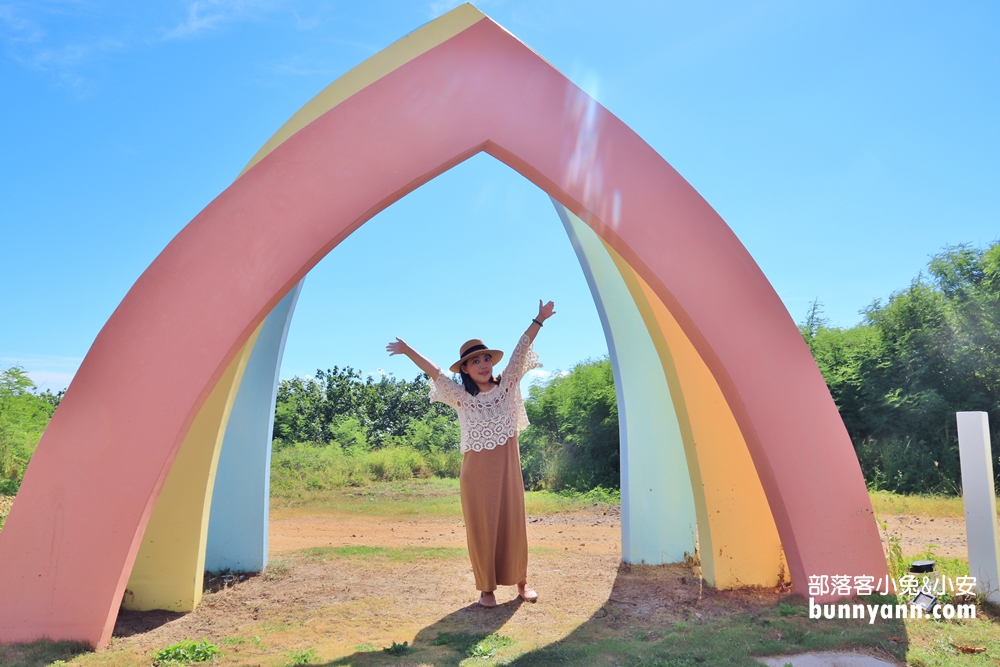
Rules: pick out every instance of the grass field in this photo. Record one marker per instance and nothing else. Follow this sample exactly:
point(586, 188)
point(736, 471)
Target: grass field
point(426, 497)
point(439, 497)
point(884, 502)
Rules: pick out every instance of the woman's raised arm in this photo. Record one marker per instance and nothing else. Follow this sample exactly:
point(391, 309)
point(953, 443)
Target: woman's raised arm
point(544, 312)
point(399, 346)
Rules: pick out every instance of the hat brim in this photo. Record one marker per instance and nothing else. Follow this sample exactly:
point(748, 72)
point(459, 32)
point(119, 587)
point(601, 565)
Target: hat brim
point(457, 366)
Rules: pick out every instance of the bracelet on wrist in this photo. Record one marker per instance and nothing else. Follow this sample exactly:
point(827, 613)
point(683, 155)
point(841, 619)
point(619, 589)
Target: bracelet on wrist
point(536, 321)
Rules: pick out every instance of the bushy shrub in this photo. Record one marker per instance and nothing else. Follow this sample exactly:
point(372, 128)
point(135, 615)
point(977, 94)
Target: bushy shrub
point(186, 652)
point(316, 468)
point(307, 466)
point(433, 433)
point(445, 464)
point(392, 464)
point(572, 442)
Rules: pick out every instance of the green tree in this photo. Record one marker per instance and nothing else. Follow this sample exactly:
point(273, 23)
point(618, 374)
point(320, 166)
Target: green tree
point(899, 376)
point(24, 414)
point(384, 411)
point(573, 439)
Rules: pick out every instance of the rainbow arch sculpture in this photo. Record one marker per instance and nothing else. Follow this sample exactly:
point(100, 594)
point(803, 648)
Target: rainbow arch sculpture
point(114, 508)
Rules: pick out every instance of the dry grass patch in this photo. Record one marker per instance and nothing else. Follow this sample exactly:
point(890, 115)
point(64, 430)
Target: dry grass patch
point(886, 502)
point(6, 502)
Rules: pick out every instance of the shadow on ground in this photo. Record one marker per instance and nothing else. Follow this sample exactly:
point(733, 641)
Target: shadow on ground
point(453, 638)
point(653, 616)
point(137, 622)
point(39, 654)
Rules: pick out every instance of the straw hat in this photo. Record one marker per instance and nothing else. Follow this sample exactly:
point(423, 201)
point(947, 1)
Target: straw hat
point(471, 348)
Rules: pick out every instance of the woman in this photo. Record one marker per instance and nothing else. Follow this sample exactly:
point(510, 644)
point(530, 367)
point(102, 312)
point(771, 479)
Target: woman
point(490, 413)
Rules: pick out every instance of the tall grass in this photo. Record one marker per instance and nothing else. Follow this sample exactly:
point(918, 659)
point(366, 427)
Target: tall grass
point(6, 502)
point(309, 467)
point(887, 502)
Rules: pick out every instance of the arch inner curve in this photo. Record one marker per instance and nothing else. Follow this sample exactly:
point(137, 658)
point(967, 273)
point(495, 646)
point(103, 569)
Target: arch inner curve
point(459, 86)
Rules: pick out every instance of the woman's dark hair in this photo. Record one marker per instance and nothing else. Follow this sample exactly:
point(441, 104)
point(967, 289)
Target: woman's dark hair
point(470, 384)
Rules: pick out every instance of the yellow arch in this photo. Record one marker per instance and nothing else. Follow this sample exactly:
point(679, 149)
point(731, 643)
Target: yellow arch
point(738, 539)
point(168, 568)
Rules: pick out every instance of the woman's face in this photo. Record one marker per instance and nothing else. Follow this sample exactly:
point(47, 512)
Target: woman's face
point(479, 368)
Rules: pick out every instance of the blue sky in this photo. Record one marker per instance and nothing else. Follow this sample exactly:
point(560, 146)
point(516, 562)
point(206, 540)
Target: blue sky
point(843, 141)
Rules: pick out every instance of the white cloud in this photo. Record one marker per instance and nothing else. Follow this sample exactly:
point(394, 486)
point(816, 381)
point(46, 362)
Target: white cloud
point(205, 15)
point(542, 375)
point(52, 37)
point(65, 38)
point(201, 16)
point(15, 26)
point(539, 376)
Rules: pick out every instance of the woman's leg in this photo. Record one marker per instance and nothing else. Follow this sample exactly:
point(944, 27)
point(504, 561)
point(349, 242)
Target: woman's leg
point(480, 491)
point(512, 537)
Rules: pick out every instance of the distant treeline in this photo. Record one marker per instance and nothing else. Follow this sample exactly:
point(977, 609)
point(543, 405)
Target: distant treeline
point(340, 429)
point(899, 377)
point(340, 407)
point(571, 444)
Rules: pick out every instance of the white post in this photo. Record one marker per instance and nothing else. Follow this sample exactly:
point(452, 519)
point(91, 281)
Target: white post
point(980, 502)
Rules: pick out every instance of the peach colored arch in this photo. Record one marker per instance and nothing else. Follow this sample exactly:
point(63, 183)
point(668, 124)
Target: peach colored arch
point(72, 537)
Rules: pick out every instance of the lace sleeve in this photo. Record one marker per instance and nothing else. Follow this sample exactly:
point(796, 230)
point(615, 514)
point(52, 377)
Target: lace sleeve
point(446, 391)
point(522, 359)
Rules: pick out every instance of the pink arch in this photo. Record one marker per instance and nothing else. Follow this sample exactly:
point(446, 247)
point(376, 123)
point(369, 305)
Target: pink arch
point(68, 548)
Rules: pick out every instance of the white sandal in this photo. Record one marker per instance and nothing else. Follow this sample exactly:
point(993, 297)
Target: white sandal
point(528, 594)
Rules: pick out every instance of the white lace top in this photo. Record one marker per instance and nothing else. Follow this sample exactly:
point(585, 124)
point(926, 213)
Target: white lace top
point(489, 418)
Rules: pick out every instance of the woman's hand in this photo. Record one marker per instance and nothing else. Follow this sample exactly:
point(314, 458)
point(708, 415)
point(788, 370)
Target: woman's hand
point(398, 346)
point(545, 311)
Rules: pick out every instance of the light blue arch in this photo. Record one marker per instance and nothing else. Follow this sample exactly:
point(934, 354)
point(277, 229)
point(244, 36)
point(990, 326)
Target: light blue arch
point(237, 526)
point(657, 510)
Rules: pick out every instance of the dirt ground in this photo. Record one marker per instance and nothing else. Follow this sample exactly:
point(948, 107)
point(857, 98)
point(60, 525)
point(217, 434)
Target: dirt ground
point(916, 533)
point(594, 532)
point(344, 608)
point(588, 532)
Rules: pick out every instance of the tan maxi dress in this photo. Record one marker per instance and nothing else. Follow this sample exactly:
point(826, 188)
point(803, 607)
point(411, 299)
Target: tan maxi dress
point(491, 485)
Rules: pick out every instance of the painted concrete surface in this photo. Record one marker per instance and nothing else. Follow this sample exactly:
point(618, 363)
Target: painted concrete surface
point(237, 529)
point(70, 541)
point(658, 515)
point(980, 499)
point(168, 569)
point(738, 541)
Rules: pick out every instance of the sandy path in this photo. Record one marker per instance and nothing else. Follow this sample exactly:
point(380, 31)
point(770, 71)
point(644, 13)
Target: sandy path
point(586, 531)
point(946, 533)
